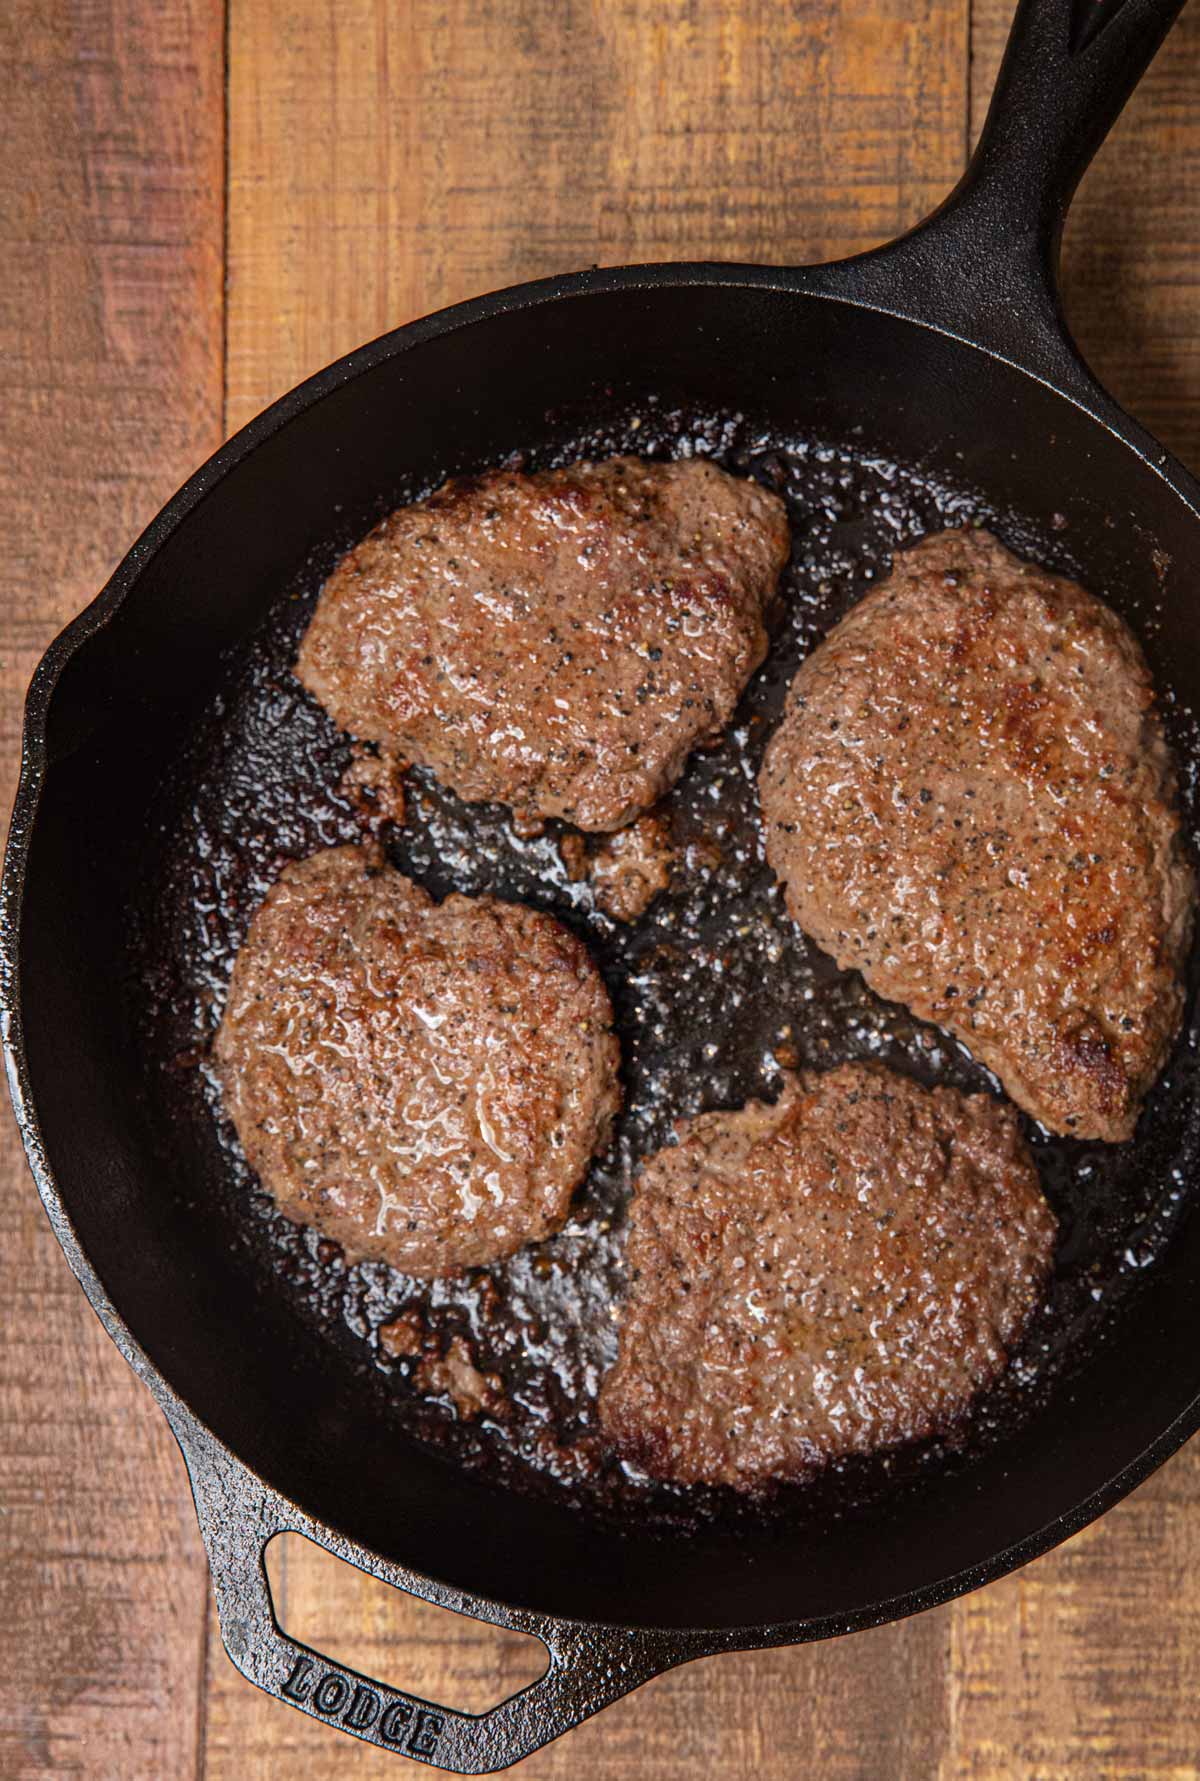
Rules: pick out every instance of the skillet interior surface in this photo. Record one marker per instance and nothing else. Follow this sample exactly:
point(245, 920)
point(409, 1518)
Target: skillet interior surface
point(185, 766)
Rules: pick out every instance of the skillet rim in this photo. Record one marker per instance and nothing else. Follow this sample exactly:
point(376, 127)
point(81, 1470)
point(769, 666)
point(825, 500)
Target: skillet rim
point(1054, 362)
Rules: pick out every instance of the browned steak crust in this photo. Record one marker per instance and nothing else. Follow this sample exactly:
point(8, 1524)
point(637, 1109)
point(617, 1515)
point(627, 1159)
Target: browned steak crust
point(970, 800)
point(423, 1083)
point(834, 1274)
point(558, 642)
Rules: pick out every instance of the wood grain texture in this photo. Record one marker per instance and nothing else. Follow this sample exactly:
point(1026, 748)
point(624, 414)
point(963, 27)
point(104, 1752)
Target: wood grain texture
point(391, 156)
point(110, 344)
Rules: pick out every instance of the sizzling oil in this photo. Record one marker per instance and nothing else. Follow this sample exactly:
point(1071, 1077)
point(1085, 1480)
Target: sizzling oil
point(715, 993)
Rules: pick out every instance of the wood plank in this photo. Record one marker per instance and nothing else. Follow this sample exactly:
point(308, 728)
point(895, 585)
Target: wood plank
point(390, 156)
point(111, 154)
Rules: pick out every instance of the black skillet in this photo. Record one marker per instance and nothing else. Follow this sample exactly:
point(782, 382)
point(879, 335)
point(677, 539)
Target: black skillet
point(946, 349)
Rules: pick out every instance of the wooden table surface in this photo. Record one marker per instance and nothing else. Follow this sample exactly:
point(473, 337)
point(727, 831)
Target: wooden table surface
point(198, 206)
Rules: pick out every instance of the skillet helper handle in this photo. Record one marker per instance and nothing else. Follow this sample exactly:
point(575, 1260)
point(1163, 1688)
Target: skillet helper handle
point(590, 1666)
point(984, 266)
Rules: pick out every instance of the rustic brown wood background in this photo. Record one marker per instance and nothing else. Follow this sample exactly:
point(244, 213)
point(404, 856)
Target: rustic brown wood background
point(198, 205)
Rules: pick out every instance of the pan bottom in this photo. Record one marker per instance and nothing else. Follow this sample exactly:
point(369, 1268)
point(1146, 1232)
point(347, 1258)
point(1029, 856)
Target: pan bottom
point(715, 993)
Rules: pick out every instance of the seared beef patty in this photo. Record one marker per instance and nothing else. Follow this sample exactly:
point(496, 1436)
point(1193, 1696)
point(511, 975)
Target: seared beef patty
point(970, 800)
point(558, 642)
point(830, 1275)
point(423, 1083)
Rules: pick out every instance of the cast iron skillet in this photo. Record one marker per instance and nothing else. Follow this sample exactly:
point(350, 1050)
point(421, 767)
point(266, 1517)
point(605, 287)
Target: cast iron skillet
point(946, 348)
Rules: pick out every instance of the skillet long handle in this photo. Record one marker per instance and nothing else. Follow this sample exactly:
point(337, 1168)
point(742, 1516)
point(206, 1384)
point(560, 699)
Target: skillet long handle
point(985, 264)
point(1068, 70)
point(590, 1666)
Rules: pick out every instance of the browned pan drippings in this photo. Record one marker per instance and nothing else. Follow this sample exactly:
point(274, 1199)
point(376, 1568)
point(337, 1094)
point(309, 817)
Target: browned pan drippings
point(714, 990)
